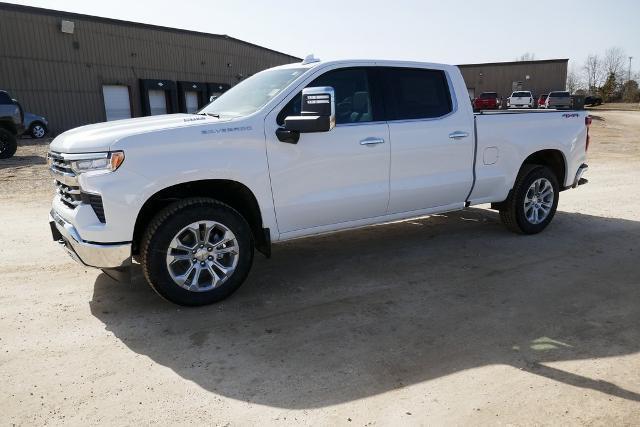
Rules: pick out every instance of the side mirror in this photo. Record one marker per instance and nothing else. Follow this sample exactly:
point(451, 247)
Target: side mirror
point(318, 112)
point(212, 98)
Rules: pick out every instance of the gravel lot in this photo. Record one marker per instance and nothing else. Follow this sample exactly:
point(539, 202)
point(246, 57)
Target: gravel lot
point(447, 319)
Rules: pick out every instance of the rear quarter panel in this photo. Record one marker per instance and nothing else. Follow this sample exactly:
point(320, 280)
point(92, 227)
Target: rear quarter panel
point(505, 140)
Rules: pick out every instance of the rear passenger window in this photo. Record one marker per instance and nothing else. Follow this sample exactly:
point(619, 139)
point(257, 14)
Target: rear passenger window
point(416, 93)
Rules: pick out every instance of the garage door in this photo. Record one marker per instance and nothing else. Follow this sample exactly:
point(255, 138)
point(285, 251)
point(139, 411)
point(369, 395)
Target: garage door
point(191, 99)
point(157, 102)
point(116, 102)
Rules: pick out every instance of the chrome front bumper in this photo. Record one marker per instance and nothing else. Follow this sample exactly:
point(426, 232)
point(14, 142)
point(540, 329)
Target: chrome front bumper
point(98, 255)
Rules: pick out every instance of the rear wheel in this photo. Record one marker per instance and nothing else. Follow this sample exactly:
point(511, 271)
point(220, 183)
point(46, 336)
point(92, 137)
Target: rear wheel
point(533, 201)
point(8, 144)
point(38, 130)
point(197, 252)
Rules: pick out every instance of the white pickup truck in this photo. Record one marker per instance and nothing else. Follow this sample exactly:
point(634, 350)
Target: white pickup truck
point(294, 151)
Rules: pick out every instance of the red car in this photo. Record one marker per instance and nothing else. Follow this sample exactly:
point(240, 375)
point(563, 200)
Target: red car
point(487, 101)
point(542, 101)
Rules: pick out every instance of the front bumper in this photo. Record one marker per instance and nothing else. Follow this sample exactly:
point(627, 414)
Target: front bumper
point(98, 255)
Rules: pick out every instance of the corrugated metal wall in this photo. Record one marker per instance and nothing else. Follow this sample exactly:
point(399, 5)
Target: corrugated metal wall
point(544, 76)
point(61, 75)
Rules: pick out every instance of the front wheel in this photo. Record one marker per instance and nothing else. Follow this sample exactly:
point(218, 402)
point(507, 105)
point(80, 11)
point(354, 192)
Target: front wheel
point(533, 201)
point(197, 251)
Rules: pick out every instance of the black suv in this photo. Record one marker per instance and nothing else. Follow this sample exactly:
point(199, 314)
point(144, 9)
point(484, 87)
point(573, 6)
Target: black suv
point(11, 124)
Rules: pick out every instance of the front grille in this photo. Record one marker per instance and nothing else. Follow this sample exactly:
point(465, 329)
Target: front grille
point(69, 195)
point(67, 187)
point(61, 167)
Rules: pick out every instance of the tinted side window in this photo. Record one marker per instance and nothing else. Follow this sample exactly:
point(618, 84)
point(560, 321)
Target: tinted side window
point(352, 91)
point(5, 99)
point(416, 94)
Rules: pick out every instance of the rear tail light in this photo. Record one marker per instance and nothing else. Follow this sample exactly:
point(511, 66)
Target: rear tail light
point(587, 122)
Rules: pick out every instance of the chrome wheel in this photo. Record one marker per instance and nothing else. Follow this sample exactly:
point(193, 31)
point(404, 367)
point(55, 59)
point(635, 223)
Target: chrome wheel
point(38, 131)
point(202, 256)
point(538, 201)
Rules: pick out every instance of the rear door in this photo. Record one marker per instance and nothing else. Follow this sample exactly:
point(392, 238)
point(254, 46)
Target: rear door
point(431, 140)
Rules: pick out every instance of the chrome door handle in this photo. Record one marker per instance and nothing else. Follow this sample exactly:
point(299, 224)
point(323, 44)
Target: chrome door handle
point(458, 134)
point(372, 141)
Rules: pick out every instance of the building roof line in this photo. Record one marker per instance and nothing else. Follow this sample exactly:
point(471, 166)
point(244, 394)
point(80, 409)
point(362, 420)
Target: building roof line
point(541, 61)
point(65, 14)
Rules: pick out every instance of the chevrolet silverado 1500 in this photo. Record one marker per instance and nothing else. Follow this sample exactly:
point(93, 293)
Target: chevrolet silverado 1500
point(294, 151)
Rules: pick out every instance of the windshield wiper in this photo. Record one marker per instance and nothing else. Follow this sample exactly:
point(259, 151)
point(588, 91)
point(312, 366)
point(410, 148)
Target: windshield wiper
point(217, 116)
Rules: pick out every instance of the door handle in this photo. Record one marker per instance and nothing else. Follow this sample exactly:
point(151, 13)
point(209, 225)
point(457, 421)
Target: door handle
point(372, 141)
point(458, 135)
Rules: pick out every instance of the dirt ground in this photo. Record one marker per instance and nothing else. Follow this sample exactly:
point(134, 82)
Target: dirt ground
point(443, 320)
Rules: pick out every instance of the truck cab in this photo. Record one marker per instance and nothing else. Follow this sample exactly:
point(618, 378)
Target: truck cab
point(294, 151)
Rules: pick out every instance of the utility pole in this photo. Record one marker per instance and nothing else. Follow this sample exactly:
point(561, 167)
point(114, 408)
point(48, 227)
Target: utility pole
point(629, 77)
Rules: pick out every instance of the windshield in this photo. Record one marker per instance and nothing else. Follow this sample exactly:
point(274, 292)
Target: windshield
point(488, 95)
point(521, 94)
point(559, 94)
point(251, 94)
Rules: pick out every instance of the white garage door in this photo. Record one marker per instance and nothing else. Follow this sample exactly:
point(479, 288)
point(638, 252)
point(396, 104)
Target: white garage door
point(116, 102)
point(191, 99)
point(157, 102)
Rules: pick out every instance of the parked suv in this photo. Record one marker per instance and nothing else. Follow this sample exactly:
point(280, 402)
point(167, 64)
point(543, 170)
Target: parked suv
point(487, 101)
point(520, 99)
point(558, 100)
point(35, 126)
point(11, 117)
point(592, 100)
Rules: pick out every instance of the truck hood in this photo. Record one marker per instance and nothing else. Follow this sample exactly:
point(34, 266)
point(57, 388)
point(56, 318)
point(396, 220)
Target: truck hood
point(100, 136)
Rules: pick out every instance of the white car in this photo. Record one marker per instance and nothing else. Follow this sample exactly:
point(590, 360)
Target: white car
point(520, 99)
point(294, 151)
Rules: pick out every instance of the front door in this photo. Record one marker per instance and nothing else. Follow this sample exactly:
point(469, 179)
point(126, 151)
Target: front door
point(333, 177)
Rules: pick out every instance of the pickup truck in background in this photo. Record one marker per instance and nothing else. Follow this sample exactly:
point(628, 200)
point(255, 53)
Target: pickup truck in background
point(558, 100)
point(11, 118)
point(300, 150)
point(520, 99)
point(487, 101)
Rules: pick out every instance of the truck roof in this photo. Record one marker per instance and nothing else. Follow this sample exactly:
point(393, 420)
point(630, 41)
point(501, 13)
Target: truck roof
point(369, 62)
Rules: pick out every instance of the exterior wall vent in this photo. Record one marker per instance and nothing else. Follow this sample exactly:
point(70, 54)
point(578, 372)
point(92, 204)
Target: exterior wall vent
point(67, 27)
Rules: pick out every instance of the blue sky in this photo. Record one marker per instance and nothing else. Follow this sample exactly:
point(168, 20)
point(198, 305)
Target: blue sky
point(451, 31)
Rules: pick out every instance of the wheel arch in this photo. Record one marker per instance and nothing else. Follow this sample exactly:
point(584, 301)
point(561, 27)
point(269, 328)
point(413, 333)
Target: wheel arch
point(232, 193)
point(553, 159)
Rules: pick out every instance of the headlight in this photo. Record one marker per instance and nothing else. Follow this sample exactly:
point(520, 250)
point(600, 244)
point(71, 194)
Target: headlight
point(91, 162)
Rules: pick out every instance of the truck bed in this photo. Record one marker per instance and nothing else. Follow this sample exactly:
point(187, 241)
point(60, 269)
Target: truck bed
point(504, 139)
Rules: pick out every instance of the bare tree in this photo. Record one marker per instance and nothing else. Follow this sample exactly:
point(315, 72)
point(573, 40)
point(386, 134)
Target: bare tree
point(573, 80)
point(614, 63)
point(527, 56)
point(593, 70)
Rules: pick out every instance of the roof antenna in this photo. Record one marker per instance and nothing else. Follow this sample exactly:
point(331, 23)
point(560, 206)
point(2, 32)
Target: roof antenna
point(310, 59)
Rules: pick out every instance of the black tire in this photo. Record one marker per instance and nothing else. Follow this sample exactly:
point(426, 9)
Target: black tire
point(8, 144)
point(34, 130)
point(513, 214)
point(164, 227)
